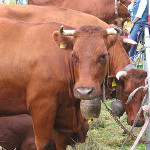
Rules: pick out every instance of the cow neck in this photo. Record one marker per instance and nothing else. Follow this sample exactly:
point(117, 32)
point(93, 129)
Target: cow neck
point(57, 2)
point(128, 67)
point(123, 8)
point(118, 58)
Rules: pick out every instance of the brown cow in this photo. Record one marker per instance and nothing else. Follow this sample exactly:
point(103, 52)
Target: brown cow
point(35, 14)
point(53, 14)
point(17, 132)
point(119, 22)
point(38, 78)
point(129, 81)
point(114, 69)
point(103, 9)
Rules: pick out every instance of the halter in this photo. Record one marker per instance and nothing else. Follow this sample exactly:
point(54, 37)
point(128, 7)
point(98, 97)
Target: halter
point(116, 8)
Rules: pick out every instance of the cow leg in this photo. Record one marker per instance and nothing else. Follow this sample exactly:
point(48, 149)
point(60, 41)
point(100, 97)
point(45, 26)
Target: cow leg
point(43, 114)
point(60, 140)
point(29, 144)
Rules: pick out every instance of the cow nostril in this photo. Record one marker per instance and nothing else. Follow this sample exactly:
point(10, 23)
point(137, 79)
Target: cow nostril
point(84, 91)
point(132, 122)
point(138, 124)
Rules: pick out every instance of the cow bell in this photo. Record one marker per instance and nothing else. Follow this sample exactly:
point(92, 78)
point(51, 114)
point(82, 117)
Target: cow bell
point(90, 108)
point(117, 108)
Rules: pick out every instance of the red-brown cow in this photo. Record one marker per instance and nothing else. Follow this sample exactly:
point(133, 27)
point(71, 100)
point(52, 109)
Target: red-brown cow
point(103, 9)
point(38, 78)
point(119, 22)
point(17, 132)
point(121, 63)
point(53, 13)
point(129, 81)
point(33, 13)
point(114, 69)
point(75, 19)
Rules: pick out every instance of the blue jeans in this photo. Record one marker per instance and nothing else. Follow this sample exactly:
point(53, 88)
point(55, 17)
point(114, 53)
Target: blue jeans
point(133, 35)
point(21, 2)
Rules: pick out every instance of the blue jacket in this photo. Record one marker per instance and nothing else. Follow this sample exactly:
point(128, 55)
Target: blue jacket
point(145, 13)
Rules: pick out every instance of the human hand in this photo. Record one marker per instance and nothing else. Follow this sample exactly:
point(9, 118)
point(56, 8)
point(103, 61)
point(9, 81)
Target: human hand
point(132, 24)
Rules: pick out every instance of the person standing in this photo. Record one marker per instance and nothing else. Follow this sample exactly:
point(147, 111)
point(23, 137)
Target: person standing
point(22, 2)
point(1, 1)
point(139, 15)
point(7, 1)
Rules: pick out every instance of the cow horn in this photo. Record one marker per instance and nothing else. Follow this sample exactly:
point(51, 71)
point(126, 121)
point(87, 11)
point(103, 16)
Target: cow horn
point(111, 31)
point(119, 31)
point(114, 31)
point(66, 32)
point(130, 41)
point(121, 74)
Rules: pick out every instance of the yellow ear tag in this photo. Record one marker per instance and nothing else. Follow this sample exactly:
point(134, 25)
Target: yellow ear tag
point(89, 121)
point(62, 45)
point(114, 82)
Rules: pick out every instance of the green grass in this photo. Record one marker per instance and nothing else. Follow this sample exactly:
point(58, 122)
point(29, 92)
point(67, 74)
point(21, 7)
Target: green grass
point(106, 134)
point(13, 3)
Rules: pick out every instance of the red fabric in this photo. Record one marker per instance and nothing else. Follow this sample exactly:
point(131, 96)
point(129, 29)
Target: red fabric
point(148, 19)
point(125, 37)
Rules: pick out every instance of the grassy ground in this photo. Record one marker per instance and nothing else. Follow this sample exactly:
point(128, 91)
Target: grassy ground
point(13, 2)
point(106, 134)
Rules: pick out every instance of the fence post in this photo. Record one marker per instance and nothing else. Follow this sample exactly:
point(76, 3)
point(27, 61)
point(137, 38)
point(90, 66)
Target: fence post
point(147, 52)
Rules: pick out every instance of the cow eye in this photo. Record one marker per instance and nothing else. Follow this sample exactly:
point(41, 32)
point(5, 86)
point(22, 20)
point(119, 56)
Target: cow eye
point(126, 93)
point(104, 57)
point(74, 57)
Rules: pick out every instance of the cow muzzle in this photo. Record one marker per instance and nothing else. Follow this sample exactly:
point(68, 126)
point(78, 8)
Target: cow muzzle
point(84, 93)
point(138, 123)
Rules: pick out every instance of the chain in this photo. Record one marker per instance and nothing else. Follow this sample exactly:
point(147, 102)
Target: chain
point(121, 125)
point(117, 120)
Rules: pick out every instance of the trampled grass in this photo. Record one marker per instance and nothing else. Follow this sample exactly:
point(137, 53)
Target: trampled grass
point(106, 134)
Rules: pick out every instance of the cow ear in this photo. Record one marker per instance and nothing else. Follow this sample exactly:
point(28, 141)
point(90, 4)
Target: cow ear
point(113, 80)
point(144, 73)
point(110, 41)
point(64, 42)
point(121, 81)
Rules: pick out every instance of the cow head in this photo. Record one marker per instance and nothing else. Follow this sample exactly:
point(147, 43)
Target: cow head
point(122, 8)
point(129, 81)
point(89, 55)
point(119, 22)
